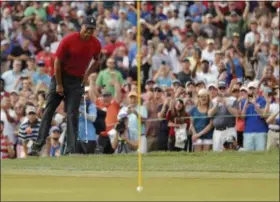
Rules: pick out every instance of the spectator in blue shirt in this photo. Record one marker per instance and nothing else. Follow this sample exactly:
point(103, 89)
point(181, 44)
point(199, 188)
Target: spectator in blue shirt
point(196, 11)
point(131, 15)
point(255, 132)
point(55, 147)
point(145, 14)
point(87, 132)
point(41, 77)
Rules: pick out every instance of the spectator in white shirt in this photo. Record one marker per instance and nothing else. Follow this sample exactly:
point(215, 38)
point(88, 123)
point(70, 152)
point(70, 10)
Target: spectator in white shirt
point(250, 37)
point(209, 53)
point(175, 21)
point(109, 21)
point(12, 77)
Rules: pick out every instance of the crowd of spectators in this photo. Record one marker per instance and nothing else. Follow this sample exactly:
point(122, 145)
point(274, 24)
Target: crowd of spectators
point(209, 76)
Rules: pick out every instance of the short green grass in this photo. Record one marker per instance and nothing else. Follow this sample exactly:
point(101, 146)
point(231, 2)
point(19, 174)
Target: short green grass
point(166, 177)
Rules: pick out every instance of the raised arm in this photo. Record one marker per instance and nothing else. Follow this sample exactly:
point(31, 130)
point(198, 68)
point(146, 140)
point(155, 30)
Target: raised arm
point(246, 10)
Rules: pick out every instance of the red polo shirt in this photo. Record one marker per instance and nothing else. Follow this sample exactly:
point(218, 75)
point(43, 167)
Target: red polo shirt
point(75, 54)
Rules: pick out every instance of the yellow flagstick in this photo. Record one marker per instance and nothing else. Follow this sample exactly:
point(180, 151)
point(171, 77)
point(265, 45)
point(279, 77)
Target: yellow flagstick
point(140, 187)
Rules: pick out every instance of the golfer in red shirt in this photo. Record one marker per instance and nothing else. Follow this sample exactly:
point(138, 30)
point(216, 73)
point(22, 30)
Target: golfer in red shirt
point(72, 58)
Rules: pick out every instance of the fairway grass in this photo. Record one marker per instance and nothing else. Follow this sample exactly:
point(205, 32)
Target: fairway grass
point(167, 177)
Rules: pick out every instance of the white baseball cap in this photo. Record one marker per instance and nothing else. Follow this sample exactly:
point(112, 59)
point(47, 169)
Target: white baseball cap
point(253, 84)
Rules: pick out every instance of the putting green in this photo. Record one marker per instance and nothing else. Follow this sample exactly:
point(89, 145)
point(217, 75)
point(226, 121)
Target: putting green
point(70, 188)
point(167, 177)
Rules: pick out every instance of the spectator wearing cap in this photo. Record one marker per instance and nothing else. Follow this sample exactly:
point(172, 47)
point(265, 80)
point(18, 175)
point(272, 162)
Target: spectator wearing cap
point(55, 145)
point(29, 128)
point(7, 150)
point(134, 112)
point(109, 75)
point(86, 142)
point(177, 118)
point(163, 76)
point(123, 141)
point(185, 75)
point(209, 53)
point(40, 77)
point(111, 105)
point(12, 77)
point(224, 110)
point(255, 132)
point(237, 44)
point(48, 58)
point(152, 109)
point(205, 74)
point(272, 108)
point(201, 125)
point(122, 24)
point(213, 91)
point(234, 23)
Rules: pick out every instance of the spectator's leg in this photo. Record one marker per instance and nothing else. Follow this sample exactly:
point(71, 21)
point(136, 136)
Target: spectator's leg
point(53, 100)
point(91, 146)
point(171, 143)
point(207, 145)
point(260, 140)
point(248, 141)
point(272, 139)
point(79, 148)
point(73, 99)
point(217, 140)
point(105, 143)
point(240, 138)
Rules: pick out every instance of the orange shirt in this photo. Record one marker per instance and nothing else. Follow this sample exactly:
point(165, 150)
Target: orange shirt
point(112, 112)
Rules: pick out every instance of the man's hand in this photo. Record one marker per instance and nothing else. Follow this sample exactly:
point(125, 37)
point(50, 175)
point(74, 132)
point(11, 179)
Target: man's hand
point(60, 89)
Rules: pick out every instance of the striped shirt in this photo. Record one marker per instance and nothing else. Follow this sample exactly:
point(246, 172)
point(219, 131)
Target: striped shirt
point(4, 147)
point(28, 131)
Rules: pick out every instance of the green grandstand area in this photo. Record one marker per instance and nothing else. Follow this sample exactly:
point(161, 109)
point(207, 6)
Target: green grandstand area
point(227, 176)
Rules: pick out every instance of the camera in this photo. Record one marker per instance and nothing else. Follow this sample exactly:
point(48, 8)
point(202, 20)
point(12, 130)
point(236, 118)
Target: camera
point(120, 127)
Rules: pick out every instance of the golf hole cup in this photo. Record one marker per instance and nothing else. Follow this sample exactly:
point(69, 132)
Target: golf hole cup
point(139, 189)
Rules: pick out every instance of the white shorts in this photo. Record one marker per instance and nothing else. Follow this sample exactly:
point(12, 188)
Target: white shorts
point(219, 137)
point(203, 142)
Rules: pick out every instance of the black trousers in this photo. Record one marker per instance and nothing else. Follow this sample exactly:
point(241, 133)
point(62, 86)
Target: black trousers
point(105, 143)
point(86, 148)
point(73, 91)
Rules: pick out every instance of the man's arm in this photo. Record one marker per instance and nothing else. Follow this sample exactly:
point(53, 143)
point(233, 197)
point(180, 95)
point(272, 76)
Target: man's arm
point(58, 71)
point(272, 118)
point(91, 69)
